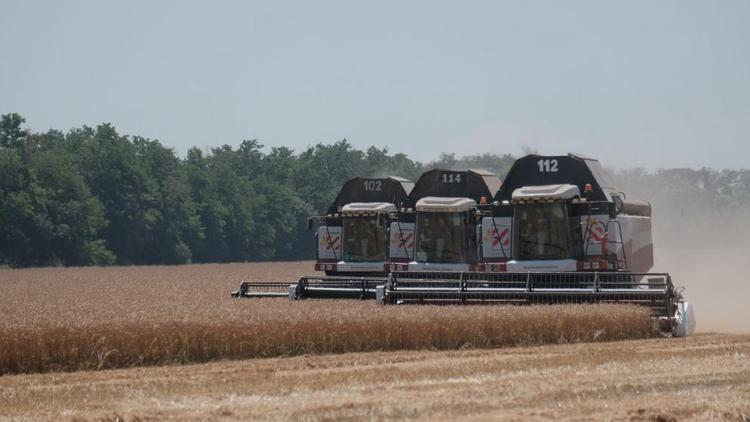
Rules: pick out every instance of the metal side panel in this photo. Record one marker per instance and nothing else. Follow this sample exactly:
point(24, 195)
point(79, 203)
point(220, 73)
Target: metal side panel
point(546, 265)
point(360, 267)
point(419, 267)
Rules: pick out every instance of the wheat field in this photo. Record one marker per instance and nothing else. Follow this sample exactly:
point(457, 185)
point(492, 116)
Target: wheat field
point(70, 319)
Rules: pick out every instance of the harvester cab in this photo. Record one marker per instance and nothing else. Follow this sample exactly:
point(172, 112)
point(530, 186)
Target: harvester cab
point(439, 230)
point(352, 238)
point(563, 213)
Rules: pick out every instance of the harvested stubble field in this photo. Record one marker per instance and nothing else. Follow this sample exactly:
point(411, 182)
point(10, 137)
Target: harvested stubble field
point(706, 377)
point(101, 318)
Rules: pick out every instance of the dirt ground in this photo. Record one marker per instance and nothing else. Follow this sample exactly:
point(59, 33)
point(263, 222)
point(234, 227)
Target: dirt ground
point(699, 378)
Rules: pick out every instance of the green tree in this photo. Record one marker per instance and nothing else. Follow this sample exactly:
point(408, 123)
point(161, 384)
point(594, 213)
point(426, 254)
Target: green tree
point(118, 178)
point(24, 229)
point(75, 216)
point(176, 216)
point(11, 132)
point(228, 207)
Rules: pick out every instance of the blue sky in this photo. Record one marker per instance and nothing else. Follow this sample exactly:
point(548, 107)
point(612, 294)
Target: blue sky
point(637, 83)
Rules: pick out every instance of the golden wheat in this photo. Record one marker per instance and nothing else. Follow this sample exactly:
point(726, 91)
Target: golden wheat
point(93, 318)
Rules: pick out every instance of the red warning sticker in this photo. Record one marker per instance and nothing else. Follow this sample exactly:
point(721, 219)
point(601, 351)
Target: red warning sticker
point(406, 240)
point(503, 236)
point(597, 232)
point(332, 242)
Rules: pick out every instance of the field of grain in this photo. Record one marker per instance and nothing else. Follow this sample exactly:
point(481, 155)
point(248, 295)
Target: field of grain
point(705, 377)
point(101, 318)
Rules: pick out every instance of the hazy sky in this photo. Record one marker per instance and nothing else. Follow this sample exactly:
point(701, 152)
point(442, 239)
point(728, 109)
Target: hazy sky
point(652, 83)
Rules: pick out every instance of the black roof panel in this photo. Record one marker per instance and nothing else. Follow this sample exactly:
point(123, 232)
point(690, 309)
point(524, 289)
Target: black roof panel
point(391, 189)
point(539, 170)
point(472, 184)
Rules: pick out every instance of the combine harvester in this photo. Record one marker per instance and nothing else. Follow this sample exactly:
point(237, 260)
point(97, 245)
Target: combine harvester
point(440, 229)
point(557, 232)
point(351, 243)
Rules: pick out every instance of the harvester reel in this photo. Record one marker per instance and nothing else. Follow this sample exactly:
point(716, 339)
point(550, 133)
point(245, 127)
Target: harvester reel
point(652, 290)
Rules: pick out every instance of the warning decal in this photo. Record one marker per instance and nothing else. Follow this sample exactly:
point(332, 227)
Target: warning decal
point(597, 232)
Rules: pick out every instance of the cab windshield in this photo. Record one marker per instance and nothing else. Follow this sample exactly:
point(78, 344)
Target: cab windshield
point(364, 239)
point(440, 237)
point(542, 231)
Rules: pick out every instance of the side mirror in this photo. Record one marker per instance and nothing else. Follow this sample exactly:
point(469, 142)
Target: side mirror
point(619, 204)
point(309, 223)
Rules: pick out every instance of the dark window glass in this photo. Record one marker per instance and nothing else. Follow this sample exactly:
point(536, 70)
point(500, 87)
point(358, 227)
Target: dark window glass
point(364, 239)
point(440, 237)
point(543, 231)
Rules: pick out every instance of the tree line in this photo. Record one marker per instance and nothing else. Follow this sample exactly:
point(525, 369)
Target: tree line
point(91, 196)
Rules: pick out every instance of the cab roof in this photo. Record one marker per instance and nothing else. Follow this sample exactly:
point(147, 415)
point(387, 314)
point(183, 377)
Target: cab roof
point(571, 169)
point(438, 204)
point(473, 184)
point(390, 189)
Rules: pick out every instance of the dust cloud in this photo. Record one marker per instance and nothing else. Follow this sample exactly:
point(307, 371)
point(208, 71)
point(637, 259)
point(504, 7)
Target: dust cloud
point(716, 282)
point(708, 253)
point(701, 233)
point(706, 248)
